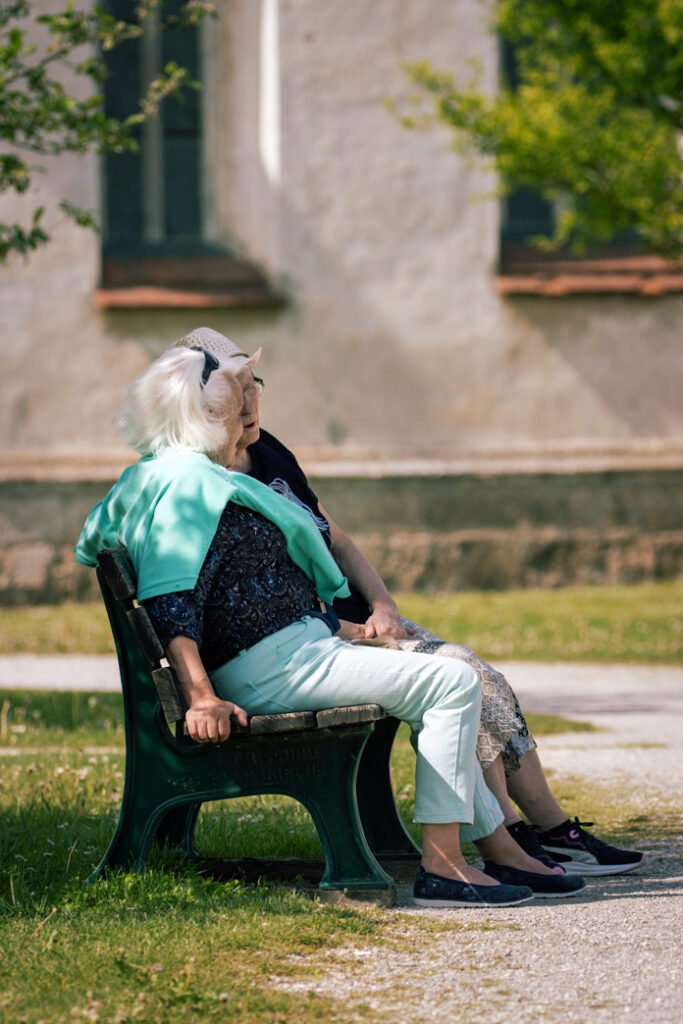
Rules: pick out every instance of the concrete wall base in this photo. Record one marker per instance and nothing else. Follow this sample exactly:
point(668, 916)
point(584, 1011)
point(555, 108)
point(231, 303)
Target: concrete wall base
point(457, 532)
point(508, 559)
point(41, 572)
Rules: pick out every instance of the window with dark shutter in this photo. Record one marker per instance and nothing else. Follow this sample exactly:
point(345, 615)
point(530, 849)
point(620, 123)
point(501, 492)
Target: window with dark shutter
point(525, 212)
point(154, 252)
point(153, 196)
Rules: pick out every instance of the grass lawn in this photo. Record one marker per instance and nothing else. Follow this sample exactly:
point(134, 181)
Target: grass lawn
point(164, 947)
point(171, 946)
point(642, 623)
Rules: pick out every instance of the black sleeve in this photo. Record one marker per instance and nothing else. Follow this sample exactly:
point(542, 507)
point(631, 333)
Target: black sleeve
point(178, 614)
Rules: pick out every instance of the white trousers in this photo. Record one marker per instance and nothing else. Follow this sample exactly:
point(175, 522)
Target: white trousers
point(304, 668)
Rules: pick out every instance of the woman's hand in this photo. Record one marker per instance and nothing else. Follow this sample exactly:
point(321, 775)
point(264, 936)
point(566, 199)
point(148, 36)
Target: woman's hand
point(350, 630)
point(208, 719)
point(385, 621)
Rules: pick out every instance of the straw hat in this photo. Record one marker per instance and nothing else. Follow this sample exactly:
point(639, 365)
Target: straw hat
point(218, 345)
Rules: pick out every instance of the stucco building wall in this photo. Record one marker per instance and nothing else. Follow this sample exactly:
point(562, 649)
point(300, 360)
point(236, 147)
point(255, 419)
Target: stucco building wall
point(393, 350)
point(393, 337)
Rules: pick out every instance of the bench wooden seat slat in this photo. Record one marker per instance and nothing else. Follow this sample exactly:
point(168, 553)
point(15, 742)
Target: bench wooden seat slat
point(335, 717)
point(292, 721)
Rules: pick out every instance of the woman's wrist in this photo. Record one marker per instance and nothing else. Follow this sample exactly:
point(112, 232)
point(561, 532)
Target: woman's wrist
point(199, 693)
point(202, 699)
point(195, 688)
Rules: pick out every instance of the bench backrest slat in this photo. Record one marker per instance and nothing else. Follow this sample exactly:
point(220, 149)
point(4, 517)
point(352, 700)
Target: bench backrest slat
point(171, 704)
point(146, 634)
point(117, 569)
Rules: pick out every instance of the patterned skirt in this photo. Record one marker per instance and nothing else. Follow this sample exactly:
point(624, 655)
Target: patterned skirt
point(503, 729)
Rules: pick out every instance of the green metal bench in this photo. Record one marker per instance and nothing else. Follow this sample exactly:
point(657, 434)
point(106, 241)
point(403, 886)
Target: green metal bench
point(335, 762)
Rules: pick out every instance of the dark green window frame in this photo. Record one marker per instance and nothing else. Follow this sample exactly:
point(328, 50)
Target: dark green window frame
point(152, 197)
point(524, 211)
point(153, 250)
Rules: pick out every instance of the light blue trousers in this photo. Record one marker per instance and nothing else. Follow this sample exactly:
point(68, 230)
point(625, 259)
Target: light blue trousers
point(304, 668)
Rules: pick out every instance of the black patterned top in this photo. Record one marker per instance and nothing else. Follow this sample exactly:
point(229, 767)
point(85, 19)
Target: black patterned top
point(248, 587)
point(277, 468)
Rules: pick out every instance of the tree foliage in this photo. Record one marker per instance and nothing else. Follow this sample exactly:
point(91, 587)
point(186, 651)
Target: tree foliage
point(52, 102)
point(593, 118)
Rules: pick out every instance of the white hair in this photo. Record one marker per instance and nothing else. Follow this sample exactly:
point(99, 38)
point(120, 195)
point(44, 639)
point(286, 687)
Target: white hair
point(166, 406)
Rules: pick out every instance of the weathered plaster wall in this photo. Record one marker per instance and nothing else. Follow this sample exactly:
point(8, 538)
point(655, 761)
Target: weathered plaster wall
point(393, 339)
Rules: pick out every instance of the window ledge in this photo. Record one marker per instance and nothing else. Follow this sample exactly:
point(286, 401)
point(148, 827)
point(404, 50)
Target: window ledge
point(151, 297)
point(616, 275)
point(558, 285)
point(184, 279)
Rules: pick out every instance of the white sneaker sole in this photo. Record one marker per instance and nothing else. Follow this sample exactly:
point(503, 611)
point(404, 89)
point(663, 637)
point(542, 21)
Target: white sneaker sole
point(588, 870)
point(448, 904)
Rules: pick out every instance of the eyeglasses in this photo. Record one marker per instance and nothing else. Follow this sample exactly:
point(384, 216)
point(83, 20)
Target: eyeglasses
point(254, 389)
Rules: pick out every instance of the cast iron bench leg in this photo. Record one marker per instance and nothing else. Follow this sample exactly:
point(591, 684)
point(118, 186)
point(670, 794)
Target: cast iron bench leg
point(176, 829)
point(135, 831)
point(351, 868)
point(382, 825)
point(384, 830)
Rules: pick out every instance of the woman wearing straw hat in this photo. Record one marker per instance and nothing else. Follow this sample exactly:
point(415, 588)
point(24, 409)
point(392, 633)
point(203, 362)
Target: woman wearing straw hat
point(505, 747)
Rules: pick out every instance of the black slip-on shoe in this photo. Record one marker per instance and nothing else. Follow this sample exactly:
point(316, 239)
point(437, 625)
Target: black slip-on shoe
point(435, 891)
point(544, 887)
point(581, 853)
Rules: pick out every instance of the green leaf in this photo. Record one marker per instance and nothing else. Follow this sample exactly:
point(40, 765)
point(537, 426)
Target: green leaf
point(84, 218)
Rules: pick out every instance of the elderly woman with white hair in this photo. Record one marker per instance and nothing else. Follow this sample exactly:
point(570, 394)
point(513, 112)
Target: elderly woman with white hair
point(233, 576)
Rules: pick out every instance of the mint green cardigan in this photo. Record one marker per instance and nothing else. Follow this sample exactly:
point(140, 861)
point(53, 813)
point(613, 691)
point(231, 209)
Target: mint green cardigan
point(165, 509)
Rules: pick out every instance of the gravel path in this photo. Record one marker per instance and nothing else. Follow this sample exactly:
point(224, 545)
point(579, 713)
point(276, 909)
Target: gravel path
point(89, 672)
point(638, 709)
point(612, 955)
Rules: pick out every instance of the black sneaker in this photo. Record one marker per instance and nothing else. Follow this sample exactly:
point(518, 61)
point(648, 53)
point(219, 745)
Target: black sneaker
point(580, 853)
point(435, 891)
point(544, 887)
point(525, 837)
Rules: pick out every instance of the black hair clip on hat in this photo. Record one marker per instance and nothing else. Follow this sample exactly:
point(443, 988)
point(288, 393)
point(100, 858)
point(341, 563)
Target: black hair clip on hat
point(210, 364)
